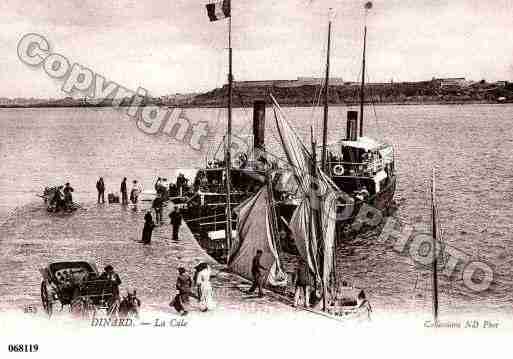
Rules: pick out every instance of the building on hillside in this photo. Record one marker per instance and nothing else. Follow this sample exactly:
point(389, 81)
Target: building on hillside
point(317, 81)
point(450, 83)
point(300, 81)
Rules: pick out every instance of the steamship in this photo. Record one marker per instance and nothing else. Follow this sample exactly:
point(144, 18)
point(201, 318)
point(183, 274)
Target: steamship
point(205, 210)
point(360, 167)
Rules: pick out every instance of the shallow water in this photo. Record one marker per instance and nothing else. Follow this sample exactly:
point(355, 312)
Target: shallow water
point(471, 145)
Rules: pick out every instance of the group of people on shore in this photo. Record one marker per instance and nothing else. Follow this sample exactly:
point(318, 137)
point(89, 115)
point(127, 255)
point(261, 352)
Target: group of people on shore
point(59, 198)
point(162, 195)
point(184, 285)
point(175, 219)
point(161, 189)
point(205, 294)
point(134, 192)
point(198, 286)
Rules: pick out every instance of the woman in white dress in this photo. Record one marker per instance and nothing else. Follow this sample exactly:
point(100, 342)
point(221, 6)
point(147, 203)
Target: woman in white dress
point(205, 291)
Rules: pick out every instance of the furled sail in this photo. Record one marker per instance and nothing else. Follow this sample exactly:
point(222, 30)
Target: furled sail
point(255, 231)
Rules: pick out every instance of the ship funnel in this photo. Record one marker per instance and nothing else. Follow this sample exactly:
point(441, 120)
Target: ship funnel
point(352, 126)
point(259, 125)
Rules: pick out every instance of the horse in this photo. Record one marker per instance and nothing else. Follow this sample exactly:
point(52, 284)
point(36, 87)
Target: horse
point(129, 306)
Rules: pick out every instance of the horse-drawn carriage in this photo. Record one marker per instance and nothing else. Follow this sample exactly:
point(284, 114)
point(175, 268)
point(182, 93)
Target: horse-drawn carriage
point(78, 285)
point(55, 200)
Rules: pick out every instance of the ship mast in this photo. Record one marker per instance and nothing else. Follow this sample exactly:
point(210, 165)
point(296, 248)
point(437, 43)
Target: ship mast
point(434, 215)
point(362, 85)
point(315, 216)
point(326, 86)
point(228, 159)
point(368, 6)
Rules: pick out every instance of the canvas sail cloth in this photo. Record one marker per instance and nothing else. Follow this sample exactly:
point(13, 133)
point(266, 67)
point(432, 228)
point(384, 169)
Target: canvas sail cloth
point(311, 232)
point(255, 231)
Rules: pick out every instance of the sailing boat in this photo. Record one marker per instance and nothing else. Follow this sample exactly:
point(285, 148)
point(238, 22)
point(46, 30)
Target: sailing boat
point(311, 228)
point(358, 165)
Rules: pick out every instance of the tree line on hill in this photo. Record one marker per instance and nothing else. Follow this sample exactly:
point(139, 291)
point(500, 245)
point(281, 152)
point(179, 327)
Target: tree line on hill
point(425, 92)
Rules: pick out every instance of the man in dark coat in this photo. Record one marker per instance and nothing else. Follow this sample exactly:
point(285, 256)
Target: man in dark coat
point(184, 287)
point(100, 187)
point(303, 283)
point(111, 276)
point(256, 268)
point(124, 192)
point(68, 197)
point(157, 205)
point(176, 221)
point(148, 228)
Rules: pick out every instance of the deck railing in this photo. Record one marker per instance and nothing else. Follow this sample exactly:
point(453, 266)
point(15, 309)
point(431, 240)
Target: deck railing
point(365, 168)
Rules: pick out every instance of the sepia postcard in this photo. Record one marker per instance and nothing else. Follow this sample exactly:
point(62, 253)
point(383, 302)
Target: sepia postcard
point(239, 178)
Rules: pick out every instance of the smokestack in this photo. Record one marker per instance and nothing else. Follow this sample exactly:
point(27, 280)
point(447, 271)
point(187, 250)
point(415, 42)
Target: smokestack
point(352, 126)
point(259, 124)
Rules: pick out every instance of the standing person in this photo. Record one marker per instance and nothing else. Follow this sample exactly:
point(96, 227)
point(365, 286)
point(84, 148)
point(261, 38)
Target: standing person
point(205, 291)
point(157, 184)
point(303, 281)
point(124, 192)
point(184, 287)
point(113, 278)
point(56, 200)
point(68, 197)
point(180, 183)
point(157, 205)
point(100, 186)
point(176, 221)
point(134, 194)
point(257, 275)
point(147, 229)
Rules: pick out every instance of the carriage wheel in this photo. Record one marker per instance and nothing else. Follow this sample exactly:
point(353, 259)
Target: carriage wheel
point(45, 299)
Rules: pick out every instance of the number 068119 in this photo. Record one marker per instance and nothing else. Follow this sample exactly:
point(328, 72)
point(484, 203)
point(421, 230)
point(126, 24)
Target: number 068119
point(23, 348)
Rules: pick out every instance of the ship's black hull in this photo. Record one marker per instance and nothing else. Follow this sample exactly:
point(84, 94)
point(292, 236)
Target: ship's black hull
point(203, 220)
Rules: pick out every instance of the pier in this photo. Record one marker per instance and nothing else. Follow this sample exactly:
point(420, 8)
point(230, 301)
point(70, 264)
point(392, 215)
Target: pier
point(30, 238)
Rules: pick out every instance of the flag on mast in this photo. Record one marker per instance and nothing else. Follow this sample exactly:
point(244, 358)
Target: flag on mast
point(219, 10)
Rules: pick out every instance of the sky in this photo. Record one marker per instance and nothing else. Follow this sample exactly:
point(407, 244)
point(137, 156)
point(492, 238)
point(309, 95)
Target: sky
point(169, 46)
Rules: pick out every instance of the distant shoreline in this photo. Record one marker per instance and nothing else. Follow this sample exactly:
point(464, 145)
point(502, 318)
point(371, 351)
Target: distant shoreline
point(409, 103)
point(298, 94)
